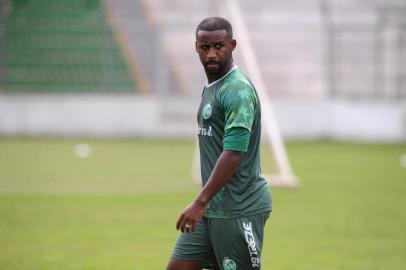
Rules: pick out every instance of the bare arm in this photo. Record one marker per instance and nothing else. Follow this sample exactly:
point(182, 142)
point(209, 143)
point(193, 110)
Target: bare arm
point(224, 169)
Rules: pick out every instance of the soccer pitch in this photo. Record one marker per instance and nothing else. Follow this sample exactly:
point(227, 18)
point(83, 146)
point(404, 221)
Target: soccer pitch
point(117, 208)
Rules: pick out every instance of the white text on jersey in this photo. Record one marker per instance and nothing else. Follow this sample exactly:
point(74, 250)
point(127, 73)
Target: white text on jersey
point(201, 130)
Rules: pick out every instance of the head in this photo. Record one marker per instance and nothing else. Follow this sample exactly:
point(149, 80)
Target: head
point(215, 44)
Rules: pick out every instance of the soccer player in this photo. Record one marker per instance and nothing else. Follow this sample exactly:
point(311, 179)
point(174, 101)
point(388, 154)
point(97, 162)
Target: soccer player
point(223, 227)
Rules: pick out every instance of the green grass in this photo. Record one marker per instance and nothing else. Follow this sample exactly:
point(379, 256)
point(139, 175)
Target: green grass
point(117, 209)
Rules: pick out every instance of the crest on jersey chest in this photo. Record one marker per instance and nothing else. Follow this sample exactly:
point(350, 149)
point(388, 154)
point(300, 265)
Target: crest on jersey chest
point(207, 111)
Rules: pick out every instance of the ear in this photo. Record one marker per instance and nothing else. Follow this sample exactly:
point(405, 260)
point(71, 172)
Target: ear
point(196, 46)
point(233, 43)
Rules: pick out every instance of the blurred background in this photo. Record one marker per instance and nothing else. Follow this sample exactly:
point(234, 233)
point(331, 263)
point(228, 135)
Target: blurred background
point(98, 102)
point(333, 69)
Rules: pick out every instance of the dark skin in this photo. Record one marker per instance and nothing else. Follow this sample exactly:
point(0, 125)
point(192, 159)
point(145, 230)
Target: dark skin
point(215, 52)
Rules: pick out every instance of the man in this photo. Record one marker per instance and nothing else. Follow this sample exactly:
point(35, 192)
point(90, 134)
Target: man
point(223, 227)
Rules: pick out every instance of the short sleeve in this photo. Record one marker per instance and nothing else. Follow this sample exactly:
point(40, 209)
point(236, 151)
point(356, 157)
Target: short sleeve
point(236, 139)
point(239, 102)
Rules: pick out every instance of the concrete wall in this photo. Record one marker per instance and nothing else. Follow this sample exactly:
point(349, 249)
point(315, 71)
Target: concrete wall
point(136, 116)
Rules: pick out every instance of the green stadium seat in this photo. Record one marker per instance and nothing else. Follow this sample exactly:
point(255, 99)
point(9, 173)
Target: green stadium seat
point(62, 46)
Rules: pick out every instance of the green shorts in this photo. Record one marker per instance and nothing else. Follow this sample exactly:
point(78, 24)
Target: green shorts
point(225, 244)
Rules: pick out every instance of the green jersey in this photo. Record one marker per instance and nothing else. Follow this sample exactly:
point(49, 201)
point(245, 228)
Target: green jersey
point(228, 105)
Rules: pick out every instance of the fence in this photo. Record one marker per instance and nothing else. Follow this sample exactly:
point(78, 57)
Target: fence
point(366, 49)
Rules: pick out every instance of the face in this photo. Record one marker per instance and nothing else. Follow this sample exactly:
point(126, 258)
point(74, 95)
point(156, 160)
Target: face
point(215, 51)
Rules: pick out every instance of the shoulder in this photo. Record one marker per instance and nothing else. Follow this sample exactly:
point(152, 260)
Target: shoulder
point(236, 81)
point(237, 87)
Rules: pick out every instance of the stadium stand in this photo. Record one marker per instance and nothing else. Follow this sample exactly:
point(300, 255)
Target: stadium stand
point(62, 46)
point(141, 39)
point(305, 49)
point(351, 49)
point(3, 12)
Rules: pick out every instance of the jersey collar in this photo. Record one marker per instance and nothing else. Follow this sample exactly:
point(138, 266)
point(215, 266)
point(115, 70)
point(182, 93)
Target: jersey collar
point(211, 84)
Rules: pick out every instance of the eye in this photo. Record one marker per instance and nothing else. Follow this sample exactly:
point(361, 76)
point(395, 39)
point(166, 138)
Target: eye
point(219, 45)
point(204, 47)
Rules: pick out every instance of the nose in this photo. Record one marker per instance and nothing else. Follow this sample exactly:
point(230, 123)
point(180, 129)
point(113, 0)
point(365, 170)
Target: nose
point(211, 53)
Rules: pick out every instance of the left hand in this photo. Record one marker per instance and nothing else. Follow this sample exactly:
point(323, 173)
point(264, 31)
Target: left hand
point(189, 217)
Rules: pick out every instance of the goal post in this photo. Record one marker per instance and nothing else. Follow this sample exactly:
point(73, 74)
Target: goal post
point(283, 176)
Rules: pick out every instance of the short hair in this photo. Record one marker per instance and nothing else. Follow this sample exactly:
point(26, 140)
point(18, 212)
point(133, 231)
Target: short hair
point(215, 23)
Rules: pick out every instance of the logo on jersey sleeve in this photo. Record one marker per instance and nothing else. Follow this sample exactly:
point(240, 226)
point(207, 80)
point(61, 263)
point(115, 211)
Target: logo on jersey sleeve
point(207, 110)
point(229, 264)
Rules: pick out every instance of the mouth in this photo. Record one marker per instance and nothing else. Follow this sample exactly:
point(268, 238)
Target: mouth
point(212, 65)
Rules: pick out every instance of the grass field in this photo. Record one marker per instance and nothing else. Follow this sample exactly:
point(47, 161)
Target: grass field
point(117, 208)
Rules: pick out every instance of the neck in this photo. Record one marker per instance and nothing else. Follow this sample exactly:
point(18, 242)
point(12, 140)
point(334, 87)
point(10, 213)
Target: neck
point(213, 78)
